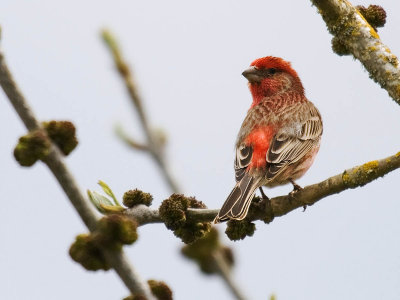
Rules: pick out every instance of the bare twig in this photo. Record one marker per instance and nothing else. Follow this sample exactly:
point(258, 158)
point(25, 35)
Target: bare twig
point(279, 206)
point(129, 141)
point(55, 162)
point(154, 146)
point(225, 272)
point(348, 25)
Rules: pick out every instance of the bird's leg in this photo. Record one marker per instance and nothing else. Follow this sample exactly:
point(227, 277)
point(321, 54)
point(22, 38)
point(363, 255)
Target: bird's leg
point(265, 197)
point(296, 188)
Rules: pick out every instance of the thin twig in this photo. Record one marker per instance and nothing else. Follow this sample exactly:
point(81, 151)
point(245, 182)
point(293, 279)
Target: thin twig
point(153, 144)
point(348, 25)
point(279, 206)
point(55, 162)
point(225, 271)
point(130, 141)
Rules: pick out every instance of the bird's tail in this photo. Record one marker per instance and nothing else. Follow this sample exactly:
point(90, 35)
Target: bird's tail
point(238, 202)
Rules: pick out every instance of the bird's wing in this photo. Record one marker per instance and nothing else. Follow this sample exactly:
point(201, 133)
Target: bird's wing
point(244, 153)
point(290, 145)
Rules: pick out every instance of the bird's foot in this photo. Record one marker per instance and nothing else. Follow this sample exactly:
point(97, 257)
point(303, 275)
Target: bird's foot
point(296, 187)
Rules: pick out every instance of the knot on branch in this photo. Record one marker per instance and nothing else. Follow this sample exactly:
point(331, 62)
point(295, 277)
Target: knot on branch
point(375, 15)
point(361, 175)
point(63, 134)
point(173, 213)
point(136, 197)
point(159, 289)
point(85, 251)
point(202, 252)
point(112, 232)
point(31, 147)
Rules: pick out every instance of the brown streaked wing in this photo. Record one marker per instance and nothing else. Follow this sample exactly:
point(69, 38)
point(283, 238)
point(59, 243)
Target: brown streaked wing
point(243, 158)
point(286, 149)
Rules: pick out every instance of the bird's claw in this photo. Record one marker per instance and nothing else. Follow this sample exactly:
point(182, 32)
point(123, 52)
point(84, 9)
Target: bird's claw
point(265, 197)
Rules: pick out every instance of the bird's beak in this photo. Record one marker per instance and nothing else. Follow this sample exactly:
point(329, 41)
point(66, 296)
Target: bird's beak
point(253, 74)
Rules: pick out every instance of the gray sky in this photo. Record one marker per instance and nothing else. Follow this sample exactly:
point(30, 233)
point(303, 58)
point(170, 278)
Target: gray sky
point(188, 57)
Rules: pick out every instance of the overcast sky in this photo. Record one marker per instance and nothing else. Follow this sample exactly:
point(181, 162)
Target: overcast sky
point(188, 57)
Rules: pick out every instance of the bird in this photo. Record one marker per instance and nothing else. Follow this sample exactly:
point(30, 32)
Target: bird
point(279, 137)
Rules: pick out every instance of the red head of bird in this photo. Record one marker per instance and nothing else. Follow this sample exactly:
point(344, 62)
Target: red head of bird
point(269, 76)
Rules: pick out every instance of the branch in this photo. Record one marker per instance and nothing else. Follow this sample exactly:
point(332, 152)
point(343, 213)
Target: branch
point(279, 206)
point(348, 25)
point(55, 162)
point(154, 143)
point(349, 179)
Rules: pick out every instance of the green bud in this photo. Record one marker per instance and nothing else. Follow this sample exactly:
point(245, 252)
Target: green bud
point(238, 230)
point(173, 213)
point(32, 147)
point(114, 230)
point(160, 290)
point(63, 134)
point(135, 197)
point(85, 251)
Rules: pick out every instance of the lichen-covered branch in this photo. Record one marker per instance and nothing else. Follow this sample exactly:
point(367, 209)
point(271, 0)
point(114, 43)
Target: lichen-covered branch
point(154, 142)
point(349, 179)
point(54, 160)
point(353, 31)
point(279, 206)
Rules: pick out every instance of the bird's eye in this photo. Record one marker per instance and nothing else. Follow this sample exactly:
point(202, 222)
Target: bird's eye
point(272, 71)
